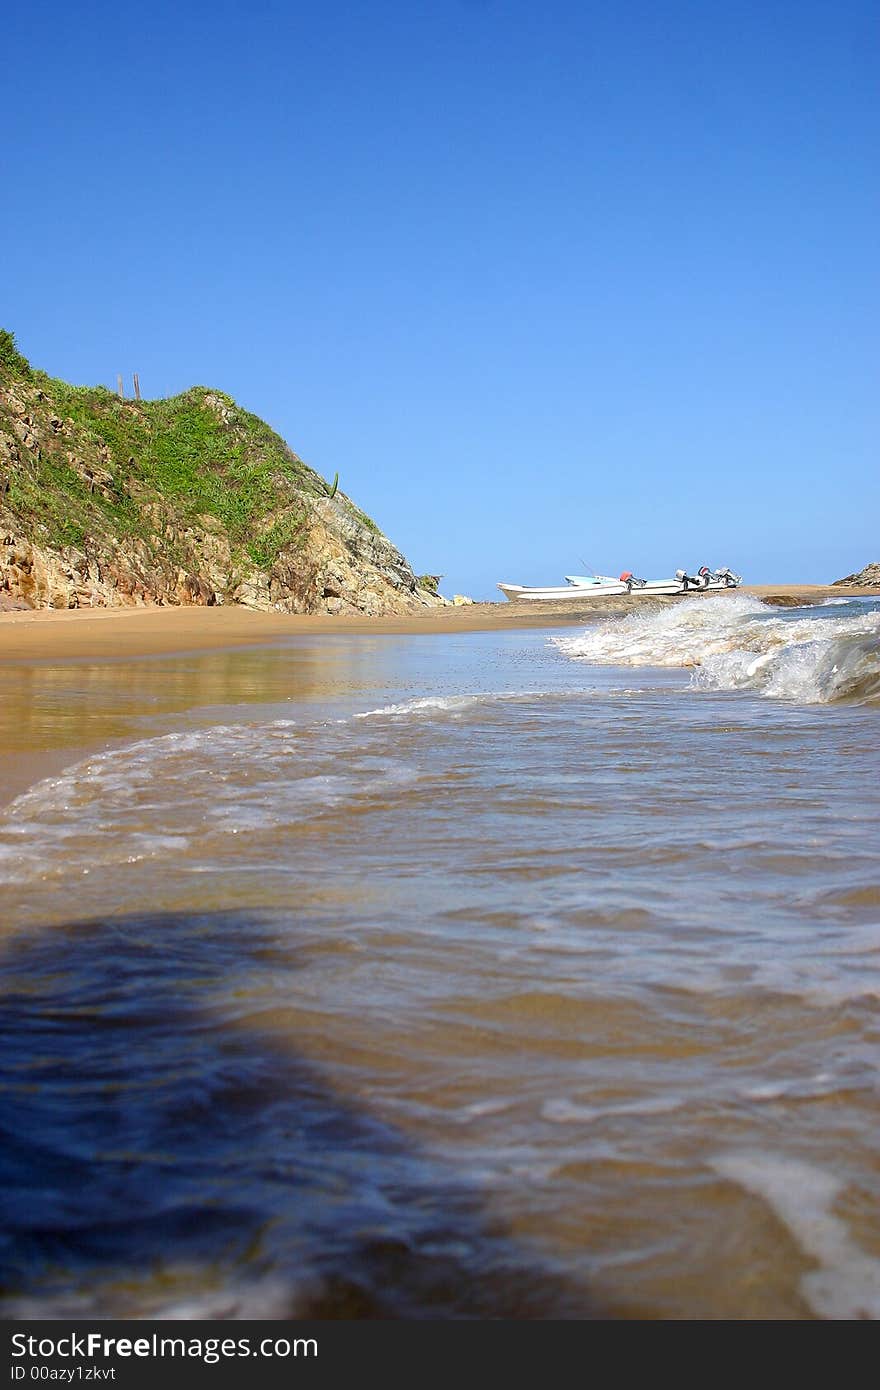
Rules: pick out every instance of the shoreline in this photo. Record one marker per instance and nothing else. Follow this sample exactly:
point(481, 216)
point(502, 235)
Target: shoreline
point(116, 634)
point(47, 652)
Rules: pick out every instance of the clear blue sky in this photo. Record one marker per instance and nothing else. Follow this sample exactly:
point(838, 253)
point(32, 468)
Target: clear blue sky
point(549, 284)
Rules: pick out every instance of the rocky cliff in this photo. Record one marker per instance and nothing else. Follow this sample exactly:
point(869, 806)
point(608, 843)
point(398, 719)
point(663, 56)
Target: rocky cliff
point(869, 577)
point(190, 500)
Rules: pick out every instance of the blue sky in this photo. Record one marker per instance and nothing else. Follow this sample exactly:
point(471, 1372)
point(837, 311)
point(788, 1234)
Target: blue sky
point(552, 286)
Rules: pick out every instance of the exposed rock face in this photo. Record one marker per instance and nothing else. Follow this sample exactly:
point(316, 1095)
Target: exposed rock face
point(97, 509)
point(869, 577)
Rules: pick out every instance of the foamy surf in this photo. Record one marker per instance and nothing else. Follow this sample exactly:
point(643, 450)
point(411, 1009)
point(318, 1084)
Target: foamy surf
point(740, 643)
point(429, 704)
point(847, 1282)
point(455, 704)
point(161, 796)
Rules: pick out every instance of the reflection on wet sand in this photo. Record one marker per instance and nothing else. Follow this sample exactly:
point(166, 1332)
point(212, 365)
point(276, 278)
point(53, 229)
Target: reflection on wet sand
point(51, 715)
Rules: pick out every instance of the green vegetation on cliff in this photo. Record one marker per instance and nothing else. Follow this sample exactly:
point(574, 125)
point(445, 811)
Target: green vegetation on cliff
point(191, 499)
point(12, 363)
point(193, 455)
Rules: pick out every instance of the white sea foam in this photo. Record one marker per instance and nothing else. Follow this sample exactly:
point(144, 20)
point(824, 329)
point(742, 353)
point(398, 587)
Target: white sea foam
point(564, 1111)
point(805, 1088)
point(428, 704)
point(236, 1301)
point(159, 796)
point(480, 1109)
point(847, 1282)
point(452, 704)
point(824, 969)
point(740, 643)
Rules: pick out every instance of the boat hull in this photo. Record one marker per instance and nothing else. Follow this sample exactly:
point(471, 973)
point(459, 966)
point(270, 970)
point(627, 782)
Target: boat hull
point(715, 586)
point(515, 592)
point(603, 586)
point(656, 586)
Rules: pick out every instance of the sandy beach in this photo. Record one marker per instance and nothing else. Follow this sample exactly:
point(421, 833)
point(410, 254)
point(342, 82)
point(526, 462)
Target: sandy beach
point(495, 963)
point(42, 730)
point(121, 633)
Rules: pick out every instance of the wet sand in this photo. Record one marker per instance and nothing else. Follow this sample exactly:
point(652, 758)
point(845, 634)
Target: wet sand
point(50, 653)
point(451, 970)
point(47, 635)
point(411, 976)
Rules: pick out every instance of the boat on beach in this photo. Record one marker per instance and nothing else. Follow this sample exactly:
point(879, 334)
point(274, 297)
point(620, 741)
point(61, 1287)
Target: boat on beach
point(580, 586)
point(705, 578)
point(575, 587)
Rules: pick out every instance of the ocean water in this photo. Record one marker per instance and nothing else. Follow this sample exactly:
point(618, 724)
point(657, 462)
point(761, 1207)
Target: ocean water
point(501, 974)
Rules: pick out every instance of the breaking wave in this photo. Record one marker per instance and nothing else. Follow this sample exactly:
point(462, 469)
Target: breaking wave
point(740, 643)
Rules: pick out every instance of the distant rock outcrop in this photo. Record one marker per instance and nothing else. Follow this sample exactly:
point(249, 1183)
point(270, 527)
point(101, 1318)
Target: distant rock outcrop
point(107, 502)
point(868, 578)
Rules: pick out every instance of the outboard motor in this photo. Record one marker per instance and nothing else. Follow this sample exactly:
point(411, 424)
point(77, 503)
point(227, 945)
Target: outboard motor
point(631, 581)
point(704, 574)
point(690, 581)
point(730, 579)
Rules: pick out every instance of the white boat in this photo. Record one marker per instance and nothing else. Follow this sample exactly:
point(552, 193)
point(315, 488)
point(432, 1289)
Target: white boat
point(648, 587)
point(705, 578)
point(682, 582)
point(603, 585)
point(576, 587)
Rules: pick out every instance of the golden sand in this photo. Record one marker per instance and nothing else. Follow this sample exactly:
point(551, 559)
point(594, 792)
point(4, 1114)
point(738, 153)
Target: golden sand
point(49, 651)
point(121, 633)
